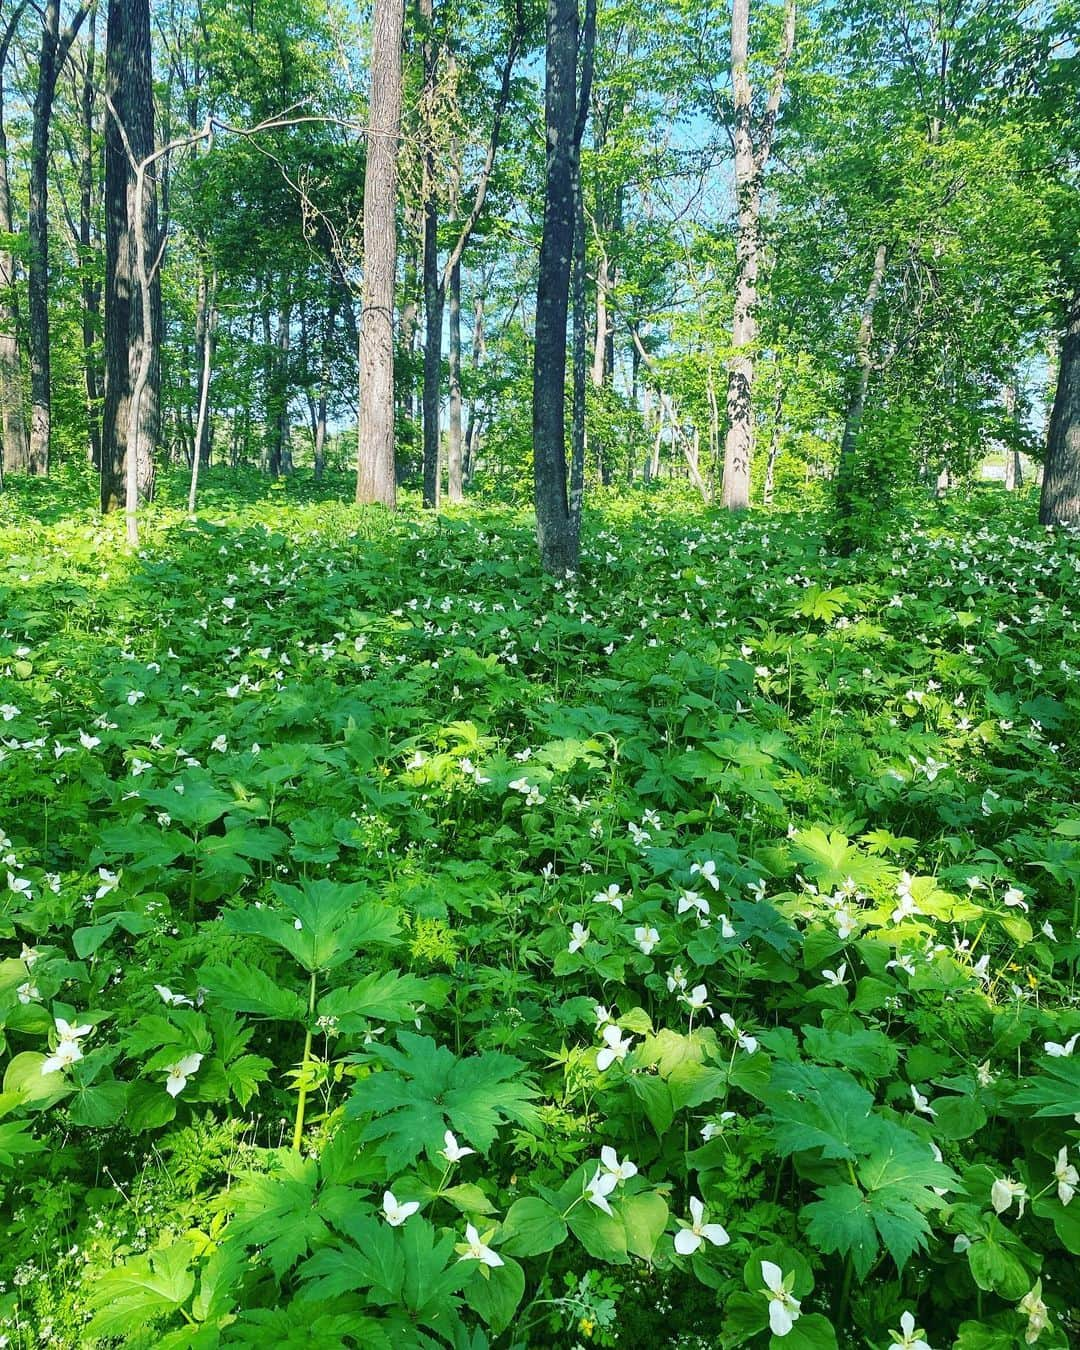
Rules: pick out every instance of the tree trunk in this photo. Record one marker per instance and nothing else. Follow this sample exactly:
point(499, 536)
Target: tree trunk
point(750, 161)
point(578, 373)
point(130, 117)
point(433, 294)
point(281, 375)
point(375, 434)
point(1060, 502)
point(454, 466)
point(556, 537)
point(271, 421)
point(91, 290)
point(1014, 474)
point(864, 361)
point(14, 446)
point(208, 304)
point(774, 447)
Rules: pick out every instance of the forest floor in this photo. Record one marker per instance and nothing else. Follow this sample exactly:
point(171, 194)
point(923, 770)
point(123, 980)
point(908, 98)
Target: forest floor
point(359, 886)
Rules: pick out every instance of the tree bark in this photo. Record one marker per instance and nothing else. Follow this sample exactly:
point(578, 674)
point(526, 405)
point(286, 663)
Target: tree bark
point(750, 161)
point(209, 299)
point(864, 361)
point(454, 466)
point(774, 447)
point(563, 103)
point(130, 115)
point(14, 445)
point(1014, 473)
point(578, 372)
point(1060, 501)
point(375, 480)
point(91, 289)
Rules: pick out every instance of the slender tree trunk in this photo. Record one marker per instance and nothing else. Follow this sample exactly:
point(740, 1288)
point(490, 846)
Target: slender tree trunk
point(454, 466)
point(750, 161)
point(1060, 502)
point(433, 294)
point(14, 446)
point(578, 372)
point(40, 375)
point(557, 539)
point(864, 362)
point(204, 384)
point(375, 437)
point(91, 290)
point(1014, 474)
point(271, 420)
point(600, 337)
point(774, 446)
point(410, 313)
point(281, 375)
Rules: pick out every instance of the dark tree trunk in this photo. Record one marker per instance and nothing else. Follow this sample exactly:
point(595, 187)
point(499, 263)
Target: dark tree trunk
point(375, 480)
point(433, 292)
point(129, 95)
point(14, 445)
point(578, 341)
point(454, 465)
point(556, 537)
point(91, 290)
point(1060, 502)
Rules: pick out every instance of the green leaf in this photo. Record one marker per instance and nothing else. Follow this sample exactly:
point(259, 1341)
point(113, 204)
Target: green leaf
point(958, 1117)
point(321, 923)
point(24, 1078)
point(125, 1299)
point(644, 1217)
point(812, 1331)
point(602, 1235)
point(278, 1211)
point(99, 1105)
point(995, 1268)
point(382, 996)
point(496, 1298)
point(424, 1089)
point(149, 1107)
point(251, 990)
point(1055, 1089)
point(531, 1228)
point(655, 1097)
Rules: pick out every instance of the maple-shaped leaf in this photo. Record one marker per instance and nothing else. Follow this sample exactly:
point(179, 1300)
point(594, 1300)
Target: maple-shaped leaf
point(1055, 1090)
point(425, 1089)
point(278, 1211)
point(816, 1108)
point(151, 1286)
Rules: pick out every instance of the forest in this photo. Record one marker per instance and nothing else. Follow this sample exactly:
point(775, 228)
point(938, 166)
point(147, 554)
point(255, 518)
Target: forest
point(540, 674)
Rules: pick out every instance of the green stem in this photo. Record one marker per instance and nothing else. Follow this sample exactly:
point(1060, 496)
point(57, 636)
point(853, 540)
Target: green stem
point(301, 1101)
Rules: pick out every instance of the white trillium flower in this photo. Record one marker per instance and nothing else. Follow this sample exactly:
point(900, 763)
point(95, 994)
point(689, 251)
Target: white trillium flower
point(109, 882)
point(727, 928)
point(602, 1015)
point(394, 1213)
point(707, 872)
point(1058, 1051)
point(676, 980)
point(67, 1053)
point(689, 1239)
point(454, 1152)
point(611, 896)
point(745, 1042)
point(1014, 898)
point(87, 741)
point(180, 1072)
point(1004, 1191)
point(600, 1187)
point(646, 938)
point(621, 1171)
point(1036, 1312)
point(783, 1308)
point(20, 885)
point(579, 938)
point(476, 1249)
point(616, 1047)
point(836, 977)
point(909, 1337)
point(173, 1000)
point(1066, 1176)
point(697, 999)
point(691, 900)
point(921, 1104)
point(27, 992)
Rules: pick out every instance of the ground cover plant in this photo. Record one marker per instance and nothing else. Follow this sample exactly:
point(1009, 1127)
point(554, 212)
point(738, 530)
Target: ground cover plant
point(404, 948)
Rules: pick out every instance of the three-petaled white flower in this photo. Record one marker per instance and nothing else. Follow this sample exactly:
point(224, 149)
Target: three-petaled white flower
point(109, 882)
point(1058, 1051)
point(836, 977)
point(646, 938)
point(1036, 1312)
point(1004, 1191)
point(697, 999)
point(621, 1171)
point(691, 900)
point(745, 1042)
point(394, 1213)
point(68, 1051)
point(180, 1072)
point(1066, 1176)
point(707, 872)
point(1014, 898)
point(783, 1308)
point(579, 938)
point(921, 1104)
point(615, 1048)
point(909, 1337)
point(690, 1236)
point(173, 1000)
point(87, 741)
point(475, 1247)
point(611, 896)
point(454, 1152)
point(600, 1187)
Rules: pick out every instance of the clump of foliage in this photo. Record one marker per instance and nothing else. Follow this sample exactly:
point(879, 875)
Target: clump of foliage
point(402, 948)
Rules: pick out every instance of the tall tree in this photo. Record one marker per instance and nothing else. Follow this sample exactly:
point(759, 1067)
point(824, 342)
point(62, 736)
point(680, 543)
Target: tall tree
point(14, 446)
point(1060, 502)
point(375, 480)
point(570, 51)
point(55, 46)
point(751, 155)
point(129, 140)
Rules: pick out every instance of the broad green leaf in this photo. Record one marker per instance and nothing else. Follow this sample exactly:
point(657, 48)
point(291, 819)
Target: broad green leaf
point(531, 1227)
point(126, 1298)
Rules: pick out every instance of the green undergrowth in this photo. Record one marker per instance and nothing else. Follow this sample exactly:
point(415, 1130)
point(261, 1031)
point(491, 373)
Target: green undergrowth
point(401, 948)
